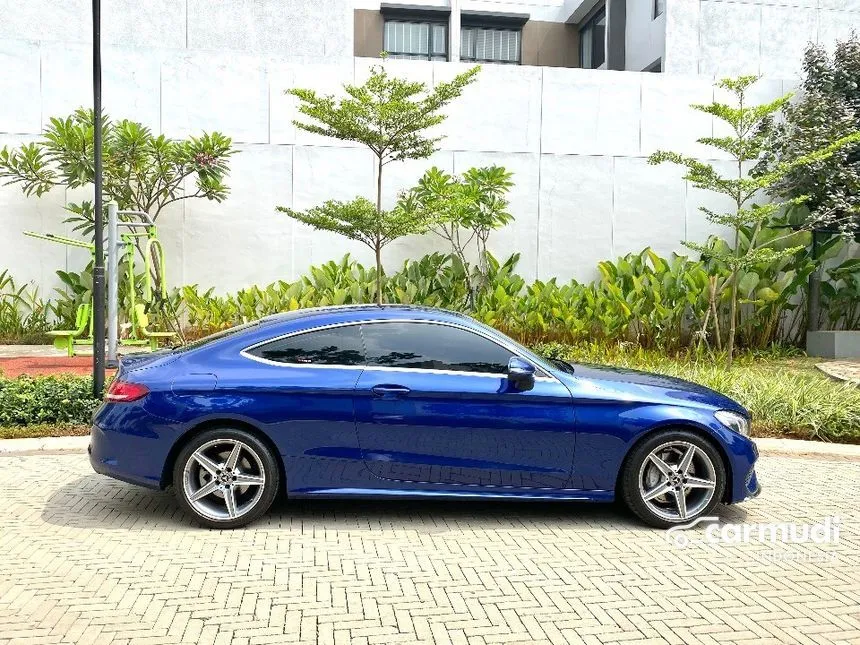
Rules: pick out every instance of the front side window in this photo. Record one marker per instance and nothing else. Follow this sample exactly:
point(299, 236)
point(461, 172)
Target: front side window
point(335, 346)
point(592, 41)
point(435, 347)
point(490, 45)
point(416, 40)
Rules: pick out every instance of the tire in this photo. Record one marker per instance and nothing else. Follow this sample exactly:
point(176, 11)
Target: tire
point(653, 478)
point(226, 478)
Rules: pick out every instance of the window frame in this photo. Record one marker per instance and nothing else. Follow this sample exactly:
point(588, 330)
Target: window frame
point(430, 22)
point(493, 61)
point(589, 24)
point(541, 372)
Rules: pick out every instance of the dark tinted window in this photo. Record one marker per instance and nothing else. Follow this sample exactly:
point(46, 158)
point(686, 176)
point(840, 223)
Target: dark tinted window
point(335, 346)
point(435, 347)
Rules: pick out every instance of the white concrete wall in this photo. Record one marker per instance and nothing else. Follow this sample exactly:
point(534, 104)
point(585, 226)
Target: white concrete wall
point(577, 141)
point(732, 37)
point(645, 40)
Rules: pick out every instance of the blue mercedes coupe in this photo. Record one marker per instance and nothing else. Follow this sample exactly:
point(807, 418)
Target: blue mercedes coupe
point(411, 402)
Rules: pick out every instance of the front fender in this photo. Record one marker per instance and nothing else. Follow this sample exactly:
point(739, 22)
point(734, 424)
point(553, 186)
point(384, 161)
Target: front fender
point(605, 436)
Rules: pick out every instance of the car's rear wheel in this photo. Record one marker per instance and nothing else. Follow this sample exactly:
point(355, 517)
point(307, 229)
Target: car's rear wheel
point(672, 478)
point(226, 477)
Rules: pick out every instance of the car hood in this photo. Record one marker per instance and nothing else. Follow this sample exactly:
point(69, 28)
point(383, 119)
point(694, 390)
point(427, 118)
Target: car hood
point(600, 381)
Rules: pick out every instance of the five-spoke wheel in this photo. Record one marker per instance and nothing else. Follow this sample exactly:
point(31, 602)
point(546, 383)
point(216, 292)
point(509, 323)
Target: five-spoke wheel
point(672, 478)
point(226, 477)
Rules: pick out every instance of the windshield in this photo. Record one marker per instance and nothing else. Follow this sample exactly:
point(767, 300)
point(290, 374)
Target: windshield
point(224, 333)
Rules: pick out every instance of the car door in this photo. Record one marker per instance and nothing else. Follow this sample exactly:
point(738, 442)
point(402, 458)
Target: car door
point(300, 388)
point(434, 405)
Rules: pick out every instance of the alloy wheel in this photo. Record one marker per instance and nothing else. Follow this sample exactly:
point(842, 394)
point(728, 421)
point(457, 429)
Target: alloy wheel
point(677, 481)
point(224, 479)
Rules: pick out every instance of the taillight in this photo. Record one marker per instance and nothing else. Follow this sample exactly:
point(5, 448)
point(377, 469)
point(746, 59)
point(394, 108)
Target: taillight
point(123, 392)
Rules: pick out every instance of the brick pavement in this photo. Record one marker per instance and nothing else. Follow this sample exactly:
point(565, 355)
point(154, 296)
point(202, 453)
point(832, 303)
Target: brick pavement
point(85, 559)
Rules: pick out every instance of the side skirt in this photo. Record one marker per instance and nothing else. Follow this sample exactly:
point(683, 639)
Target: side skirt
point(482, 493)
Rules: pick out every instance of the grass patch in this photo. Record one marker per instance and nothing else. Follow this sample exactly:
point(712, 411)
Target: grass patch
point(786, 394)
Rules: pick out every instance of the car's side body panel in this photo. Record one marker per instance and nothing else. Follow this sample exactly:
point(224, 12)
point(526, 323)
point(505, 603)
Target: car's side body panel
point(465, 436)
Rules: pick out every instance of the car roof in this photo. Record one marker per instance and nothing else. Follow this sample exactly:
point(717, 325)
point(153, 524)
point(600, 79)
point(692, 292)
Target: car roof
point(357, 313)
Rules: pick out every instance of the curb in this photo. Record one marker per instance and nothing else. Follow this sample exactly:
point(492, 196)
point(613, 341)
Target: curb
point(770, 446)
point(44, 445)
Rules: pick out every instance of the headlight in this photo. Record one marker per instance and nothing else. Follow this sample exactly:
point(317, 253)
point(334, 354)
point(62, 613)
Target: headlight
point(734, 421)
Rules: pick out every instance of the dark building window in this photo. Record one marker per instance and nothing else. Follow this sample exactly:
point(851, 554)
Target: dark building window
point(419, 40)
point(592, 41)
point(490, 45)
point(435, 347)
point(659, 7)
point(335, 346)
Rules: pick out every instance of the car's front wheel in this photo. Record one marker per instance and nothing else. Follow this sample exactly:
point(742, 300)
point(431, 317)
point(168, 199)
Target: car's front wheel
point(226, 477)
point(672, 478)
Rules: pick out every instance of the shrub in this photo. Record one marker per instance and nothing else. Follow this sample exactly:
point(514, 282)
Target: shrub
point(27, 400)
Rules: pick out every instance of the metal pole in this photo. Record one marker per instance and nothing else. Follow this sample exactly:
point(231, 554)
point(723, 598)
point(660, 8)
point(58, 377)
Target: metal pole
point(112, 283)
point(99, 265)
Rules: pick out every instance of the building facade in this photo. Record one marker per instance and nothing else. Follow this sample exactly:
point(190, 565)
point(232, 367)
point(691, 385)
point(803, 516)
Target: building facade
point(576, 139)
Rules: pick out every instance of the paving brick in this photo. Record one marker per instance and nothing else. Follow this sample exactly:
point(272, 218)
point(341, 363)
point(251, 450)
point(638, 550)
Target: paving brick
point(85, 559)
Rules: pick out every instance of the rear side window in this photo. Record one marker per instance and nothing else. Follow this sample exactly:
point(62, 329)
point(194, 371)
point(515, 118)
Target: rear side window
point(335, 346)
point(436, 347)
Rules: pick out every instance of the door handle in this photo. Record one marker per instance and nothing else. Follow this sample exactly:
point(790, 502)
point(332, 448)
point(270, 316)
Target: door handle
point(390, 391)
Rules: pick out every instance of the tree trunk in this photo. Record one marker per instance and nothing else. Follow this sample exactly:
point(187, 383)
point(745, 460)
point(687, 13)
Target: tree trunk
point(378, 273)
point(734, 304)
point(378, 235)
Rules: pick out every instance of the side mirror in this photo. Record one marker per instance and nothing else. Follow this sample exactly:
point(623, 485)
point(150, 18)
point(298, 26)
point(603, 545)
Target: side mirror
point(521, 374)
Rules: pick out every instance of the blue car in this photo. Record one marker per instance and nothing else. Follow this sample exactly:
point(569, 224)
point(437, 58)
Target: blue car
point(411, 402)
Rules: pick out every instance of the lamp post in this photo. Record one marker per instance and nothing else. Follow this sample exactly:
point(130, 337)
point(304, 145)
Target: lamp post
point(99, 265)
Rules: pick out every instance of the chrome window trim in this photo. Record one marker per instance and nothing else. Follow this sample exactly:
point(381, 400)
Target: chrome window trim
point(379, 368)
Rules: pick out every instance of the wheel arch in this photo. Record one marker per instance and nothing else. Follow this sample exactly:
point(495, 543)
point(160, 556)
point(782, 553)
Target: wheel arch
point(209, 424)
point(688, 426)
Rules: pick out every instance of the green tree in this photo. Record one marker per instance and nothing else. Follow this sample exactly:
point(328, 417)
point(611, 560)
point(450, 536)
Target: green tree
point(360, 220)
point(141, 171)
point(391, 117)
point(464, 210)
point(750, 128)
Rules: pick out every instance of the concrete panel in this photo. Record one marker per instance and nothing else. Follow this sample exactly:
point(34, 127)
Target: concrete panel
point(521, 235)
point(131, 85)
point(229, 93)
point(320, 174)
point(682, 37)
point(130, 82)
point(26, 258)
point(46, 20)
point(21, 107)
point(575, 219)
point(417, 71)
point(840, 5)
point(500, 112)
point(591, 112)
point(648, 208)
point(153, 23)
point(729, 36)
point(243, 240)
point(67, 78)
point(836, 26)
point(668, 121)
point(785, 34)
point(311, 28)
point(323, 78)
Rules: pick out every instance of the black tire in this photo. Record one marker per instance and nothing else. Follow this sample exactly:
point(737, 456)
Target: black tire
point(634, 470)
point(255, 461)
